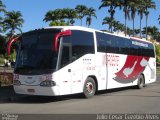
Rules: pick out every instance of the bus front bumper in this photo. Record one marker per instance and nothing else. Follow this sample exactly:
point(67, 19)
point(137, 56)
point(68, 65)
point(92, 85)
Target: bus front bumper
point(37, 90)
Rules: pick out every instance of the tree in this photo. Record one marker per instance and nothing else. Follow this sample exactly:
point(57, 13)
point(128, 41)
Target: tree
point(2, 44)
point(133, 7)
point(121, 27)
point(80, 9)
point(2, 10)
point(152, 31)
point(136, 31)
point(90, 12)
point(129, 31)
point(54, 15)
point(70, 14)
point(57, 23)
point(13, 21)
point(148, 4)
point(126, 9)
point(107, 20)
point(159, 19)
point(2, 7)
point(141, 10)
point(115, 25)
point(50, 16)
point(112, 4)
point(58, 17)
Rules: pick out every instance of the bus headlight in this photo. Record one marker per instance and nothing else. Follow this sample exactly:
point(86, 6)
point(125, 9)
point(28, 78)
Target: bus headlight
point(16, 82)
point(48, 83)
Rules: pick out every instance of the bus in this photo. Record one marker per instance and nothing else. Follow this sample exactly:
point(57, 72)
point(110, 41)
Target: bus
point(65, 60)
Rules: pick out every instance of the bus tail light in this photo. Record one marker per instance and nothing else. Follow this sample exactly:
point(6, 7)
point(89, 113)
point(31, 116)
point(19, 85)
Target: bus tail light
point(48, 83)
point(16, 82)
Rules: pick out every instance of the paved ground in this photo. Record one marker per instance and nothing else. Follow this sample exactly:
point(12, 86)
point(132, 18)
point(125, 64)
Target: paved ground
point(112, 101)
point(126, 100)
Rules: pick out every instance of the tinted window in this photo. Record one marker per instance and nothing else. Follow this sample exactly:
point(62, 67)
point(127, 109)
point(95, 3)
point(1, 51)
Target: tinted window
point(101, 42)
point(119, 45)
point(65, 60)
point(35, 55)
point(82, 43)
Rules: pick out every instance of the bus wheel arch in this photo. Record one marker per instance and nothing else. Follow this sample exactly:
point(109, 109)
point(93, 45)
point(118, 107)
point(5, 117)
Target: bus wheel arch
point(141, 81)
point(90, 86)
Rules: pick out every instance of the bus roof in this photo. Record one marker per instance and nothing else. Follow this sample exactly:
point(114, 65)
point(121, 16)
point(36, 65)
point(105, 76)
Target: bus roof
point(93, 30)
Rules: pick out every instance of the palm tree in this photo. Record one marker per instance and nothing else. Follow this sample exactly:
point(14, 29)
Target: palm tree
point(56, 17)
point(129, 31)
point(141, 10)
point(148, 4)
point(126, 9)
point(116, 25)
point(136, 31)
point(70, 14)
point(112, 4)
point(107, 20)
point(2, 10)
point(13, 21)
point(133, 7)
point(152, 31)
point(50, 16)
point(80, 9)
point(159, 19)
point(121, 27)
point(2, 7)
point(90, 12)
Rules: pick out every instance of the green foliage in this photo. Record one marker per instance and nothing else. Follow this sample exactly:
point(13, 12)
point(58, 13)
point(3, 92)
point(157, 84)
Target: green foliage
point(13, 55)
point(1, 60)
point(10, 21)
point(158, 53)
point(13, 21)
point(58, 23)
point(59, 16)
point(2, 45)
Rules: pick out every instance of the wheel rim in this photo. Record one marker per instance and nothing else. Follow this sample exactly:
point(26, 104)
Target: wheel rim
point(89, 88)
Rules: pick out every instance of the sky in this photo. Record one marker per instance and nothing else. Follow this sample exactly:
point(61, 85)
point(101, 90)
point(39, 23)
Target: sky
point(33, 12)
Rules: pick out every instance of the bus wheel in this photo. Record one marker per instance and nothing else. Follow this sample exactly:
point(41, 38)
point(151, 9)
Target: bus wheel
point(89, 88)
point(141, 82)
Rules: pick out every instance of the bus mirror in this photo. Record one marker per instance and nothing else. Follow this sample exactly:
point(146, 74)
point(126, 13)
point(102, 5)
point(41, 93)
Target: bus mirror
point(10, 44)
point(61, 34)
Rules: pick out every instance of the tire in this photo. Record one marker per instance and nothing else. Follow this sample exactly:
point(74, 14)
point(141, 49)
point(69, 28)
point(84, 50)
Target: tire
point(141, 82)
point(89, 88)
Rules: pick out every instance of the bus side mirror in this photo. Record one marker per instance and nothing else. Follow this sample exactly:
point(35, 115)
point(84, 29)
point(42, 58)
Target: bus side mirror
point(58, 35)
point(10, 44)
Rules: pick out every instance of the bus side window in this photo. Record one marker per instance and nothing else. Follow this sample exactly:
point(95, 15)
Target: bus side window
point(82, 43)
point(101, 43)
point(65, 57)
point(109, 45)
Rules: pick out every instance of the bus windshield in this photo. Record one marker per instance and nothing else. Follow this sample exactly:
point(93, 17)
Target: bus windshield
point(36, 54)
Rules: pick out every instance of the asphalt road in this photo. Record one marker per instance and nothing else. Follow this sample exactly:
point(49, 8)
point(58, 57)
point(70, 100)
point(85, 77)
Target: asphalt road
point(126, 100)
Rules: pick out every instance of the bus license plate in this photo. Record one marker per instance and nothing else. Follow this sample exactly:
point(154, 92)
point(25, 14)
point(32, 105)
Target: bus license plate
point(31, 90)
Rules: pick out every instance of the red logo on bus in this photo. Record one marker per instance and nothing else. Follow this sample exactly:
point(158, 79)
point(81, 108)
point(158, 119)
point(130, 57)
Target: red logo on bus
point(132, 68)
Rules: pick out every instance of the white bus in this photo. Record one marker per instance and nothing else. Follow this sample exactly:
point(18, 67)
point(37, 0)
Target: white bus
point(70, 59)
